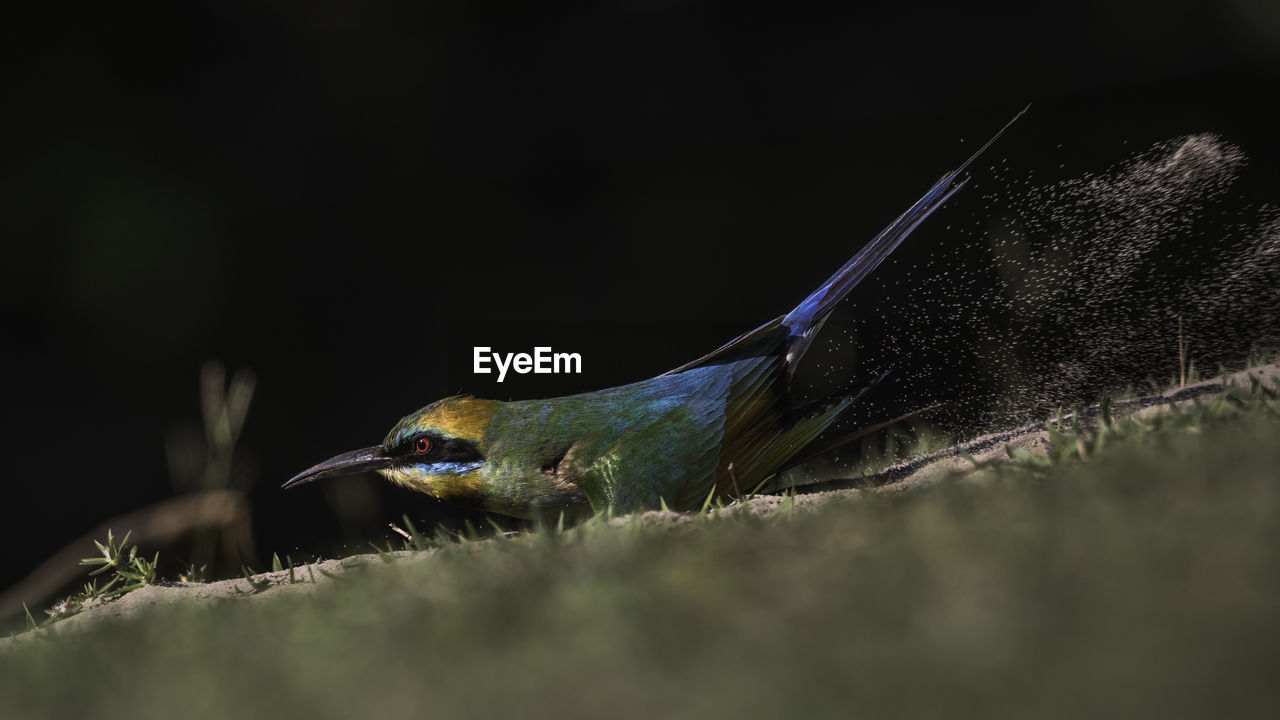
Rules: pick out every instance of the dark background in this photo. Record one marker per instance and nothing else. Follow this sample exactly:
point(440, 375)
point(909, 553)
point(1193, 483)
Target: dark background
point(345, 197)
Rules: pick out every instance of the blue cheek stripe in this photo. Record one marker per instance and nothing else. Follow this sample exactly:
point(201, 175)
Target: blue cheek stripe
point(448, 468)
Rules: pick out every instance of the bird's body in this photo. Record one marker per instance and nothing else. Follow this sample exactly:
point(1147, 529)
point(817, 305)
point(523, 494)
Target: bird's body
point(634, 446)
point(721, 424)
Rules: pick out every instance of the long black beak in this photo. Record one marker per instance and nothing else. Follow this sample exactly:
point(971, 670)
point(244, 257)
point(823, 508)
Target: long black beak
point(348, 463)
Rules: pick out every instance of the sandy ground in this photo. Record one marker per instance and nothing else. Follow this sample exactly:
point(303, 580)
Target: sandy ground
point(907, 476)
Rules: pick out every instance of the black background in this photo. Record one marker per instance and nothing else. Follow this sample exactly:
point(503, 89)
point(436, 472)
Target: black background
point(345, 197)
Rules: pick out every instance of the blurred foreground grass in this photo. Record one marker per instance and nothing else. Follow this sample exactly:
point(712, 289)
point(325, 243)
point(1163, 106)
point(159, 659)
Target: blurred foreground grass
point(1145, 582)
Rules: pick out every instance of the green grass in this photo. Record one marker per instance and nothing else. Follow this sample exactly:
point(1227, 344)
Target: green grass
point(1144, 581)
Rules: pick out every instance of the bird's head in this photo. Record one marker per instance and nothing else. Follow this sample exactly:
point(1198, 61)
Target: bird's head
point(438, 450)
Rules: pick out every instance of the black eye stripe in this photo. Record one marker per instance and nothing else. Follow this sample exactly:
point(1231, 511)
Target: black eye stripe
point(442, 449)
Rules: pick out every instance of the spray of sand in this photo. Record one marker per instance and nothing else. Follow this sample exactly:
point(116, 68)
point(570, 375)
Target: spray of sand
point(1053, 294)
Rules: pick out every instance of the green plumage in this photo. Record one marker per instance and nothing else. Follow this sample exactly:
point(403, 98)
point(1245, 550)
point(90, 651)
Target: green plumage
point(719, 425)
point(629, 447)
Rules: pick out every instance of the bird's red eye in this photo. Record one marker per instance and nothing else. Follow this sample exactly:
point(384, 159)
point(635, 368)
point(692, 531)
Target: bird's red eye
point(421, 446)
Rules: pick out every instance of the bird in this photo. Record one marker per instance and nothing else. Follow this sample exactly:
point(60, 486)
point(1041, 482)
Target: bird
point(707, 429)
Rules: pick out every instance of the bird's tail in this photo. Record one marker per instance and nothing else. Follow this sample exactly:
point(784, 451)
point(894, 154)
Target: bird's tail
point(790, 335)
point(806, 319)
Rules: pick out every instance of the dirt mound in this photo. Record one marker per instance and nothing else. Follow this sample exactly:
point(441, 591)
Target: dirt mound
point(907, 476)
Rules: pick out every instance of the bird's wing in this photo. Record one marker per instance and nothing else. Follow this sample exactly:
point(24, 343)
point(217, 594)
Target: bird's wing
point(669, 458)
point(768, 339)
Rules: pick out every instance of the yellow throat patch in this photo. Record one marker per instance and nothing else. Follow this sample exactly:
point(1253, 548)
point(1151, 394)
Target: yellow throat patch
point(444, 487)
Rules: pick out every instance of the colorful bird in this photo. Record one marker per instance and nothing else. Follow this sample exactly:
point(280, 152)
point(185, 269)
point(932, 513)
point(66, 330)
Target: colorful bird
point(716, 426)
